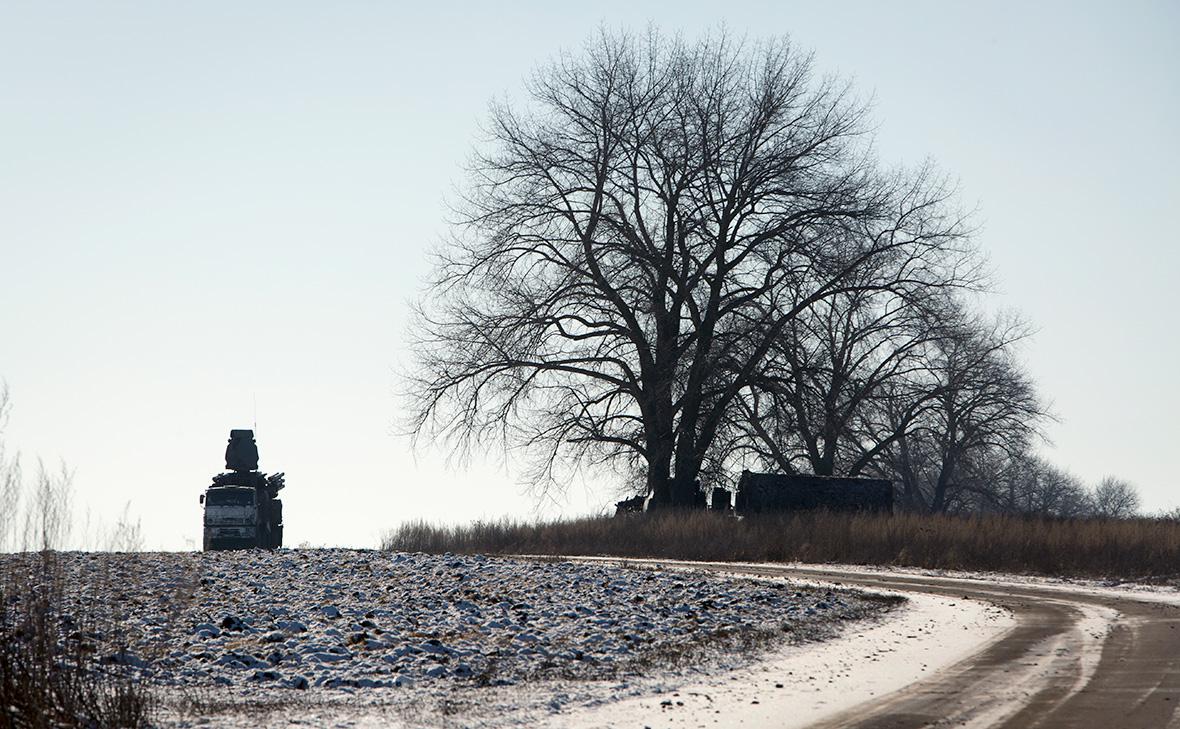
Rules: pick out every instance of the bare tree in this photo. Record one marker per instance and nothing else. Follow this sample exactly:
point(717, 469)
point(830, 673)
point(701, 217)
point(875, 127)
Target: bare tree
point(981, 402)
point(839, 365)
point(633, 246)
point(1027, 484)
point(1115, 498)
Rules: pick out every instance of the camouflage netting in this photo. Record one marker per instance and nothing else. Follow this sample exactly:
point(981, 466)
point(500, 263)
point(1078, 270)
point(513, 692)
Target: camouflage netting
point(769, 492)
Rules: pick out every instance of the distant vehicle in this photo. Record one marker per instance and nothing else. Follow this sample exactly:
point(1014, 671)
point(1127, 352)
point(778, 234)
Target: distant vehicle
point(242, 509)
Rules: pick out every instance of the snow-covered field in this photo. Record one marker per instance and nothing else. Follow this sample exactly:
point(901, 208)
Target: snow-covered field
point(358, 638)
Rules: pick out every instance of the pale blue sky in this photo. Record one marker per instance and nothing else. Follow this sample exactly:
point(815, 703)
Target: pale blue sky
point(205, 203)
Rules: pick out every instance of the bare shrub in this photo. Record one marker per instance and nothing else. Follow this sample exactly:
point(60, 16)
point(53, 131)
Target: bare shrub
point(125, 535)
point(48, 520)
point(10, 479)
point(1170, 515)
point(51, 674)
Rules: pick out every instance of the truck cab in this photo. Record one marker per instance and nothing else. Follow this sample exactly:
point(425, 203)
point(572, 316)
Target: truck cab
point(231, 517)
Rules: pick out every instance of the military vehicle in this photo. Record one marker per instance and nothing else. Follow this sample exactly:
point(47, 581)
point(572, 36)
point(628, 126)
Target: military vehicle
point(242, 509)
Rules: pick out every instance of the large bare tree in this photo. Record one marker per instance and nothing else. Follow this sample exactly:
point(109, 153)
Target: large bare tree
point(816, 403)
point(637, 239)
point(980, 404)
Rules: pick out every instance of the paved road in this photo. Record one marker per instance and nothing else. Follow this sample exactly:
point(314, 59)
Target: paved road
point(1048, 672)
point(1077, 658)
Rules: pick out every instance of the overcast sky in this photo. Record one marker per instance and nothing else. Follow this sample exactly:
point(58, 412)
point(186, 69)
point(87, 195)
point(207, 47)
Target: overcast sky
point(207, 205)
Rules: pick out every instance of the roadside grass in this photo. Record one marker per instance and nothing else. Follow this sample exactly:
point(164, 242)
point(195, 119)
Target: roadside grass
point(1145, 550)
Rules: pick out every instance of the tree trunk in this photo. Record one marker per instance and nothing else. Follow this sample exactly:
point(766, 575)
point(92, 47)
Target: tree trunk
point(659, 470)
point(938, 503)
point(659, 486)
point(913, 494)
point(685, 483)
point(827, 461)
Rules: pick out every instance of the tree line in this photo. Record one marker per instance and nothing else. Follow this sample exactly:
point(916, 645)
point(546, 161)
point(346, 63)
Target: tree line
point(680, 259)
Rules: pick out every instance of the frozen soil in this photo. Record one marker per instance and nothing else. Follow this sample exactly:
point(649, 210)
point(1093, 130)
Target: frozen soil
point(356, 638)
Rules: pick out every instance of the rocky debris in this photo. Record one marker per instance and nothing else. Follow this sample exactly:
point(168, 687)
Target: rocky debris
point(307, 620)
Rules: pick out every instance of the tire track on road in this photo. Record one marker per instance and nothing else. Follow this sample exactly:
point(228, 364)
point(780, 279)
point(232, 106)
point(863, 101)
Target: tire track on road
point(1077, 657)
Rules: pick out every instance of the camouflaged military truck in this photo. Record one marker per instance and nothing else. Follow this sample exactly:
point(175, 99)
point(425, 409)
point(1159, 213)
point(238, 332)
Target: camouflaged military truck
point(242, 509)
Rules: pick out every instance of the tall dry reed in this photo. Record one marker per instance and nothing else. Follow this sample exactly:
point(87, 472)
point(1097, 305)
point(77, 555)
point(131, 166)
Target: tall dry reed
point(1137, 549)
point(52, 672)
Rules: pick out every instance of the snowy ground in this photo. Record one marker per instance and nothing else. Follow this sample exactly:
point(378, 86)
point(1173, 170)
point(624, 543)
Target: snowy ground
point(931, 653)
point(796, 686)
point(364, 638)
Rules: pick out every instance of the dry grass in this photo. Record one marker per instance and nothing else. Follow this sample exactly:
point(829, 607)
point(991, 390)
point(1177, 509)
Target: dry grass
point(51, 672)
point(1135, 549)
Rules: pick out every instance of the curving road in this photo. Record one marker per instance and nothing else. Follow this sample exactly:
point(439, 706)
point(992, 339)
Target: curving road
point(1076, 657)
